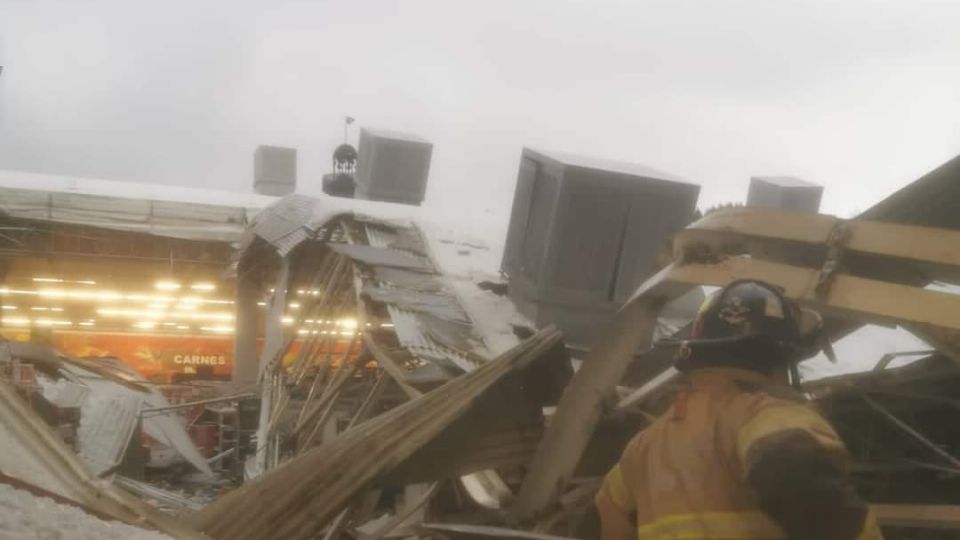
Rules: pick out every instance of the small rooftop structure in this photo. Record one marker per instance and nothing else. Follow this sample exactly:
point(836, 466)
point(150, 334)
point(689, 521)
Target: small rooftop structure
point(784, 193)
point(275, 170)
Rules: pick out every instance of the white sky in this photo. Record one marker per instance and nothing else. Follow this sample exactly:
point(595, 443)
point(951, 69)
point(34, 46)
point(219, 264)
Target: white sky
point(862, 96)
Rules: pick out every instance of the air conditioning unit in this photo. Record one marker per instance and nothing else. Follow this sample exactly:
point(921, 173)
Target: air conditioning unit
point(393, 166)
point(584, 233)
point(275, 170)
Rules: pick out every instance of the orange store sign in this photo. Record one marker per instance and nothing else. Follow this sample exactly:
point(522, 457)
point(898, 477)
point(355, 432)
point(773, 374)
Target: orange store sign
point(153, 355)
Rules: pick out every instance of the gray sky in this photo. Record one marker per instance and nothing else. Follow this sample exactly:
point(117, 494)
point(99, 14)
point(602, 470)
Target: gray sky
point(859, 95)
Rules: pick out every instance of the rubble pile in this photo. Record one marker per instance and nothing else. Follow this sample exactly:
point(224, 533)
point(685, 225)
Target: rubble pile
point(401, 415)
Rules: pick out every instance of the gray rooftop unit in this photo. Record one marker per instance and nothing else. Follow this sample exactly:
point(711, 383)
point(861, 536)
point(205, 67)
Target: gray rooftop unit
point(275, 170)
point(784, 193)
point(393, 166)
point(584, 233)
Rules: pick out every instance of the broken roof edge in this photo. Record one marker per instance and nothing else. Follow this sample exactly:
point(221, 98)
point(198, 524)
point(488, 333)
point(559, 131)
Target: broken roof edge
point(785, 181)
point(395, 135)
point(122, 189)
point(608, 165)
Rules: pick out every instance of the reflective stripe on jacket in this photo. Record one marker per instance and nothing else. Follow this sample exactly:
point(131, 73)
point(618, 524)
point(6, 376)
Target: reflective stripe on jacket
point(686, 476)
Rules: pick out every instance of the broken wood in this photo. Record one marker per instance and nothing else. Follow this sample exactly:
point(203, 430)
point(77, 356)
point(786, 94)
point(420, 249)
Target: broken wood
point(295, 499)
point(928, 516)
point(375, 392)
point(403, 515)
point(580, 406)
point(921, 244)
point(390, 365)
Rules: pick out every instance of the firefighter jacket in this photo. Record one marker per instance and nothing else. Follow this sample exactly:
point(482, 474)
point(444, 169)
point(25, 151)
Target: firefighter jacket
point(737, 457)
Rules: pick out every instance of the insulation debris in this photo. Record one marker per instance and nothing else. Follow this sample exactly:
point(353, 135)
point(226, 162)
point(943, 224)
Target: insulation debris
point(27, 516)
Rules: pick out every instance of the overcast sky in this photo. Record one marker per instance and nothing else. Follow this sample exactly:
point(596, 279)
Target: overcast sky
point(862, 96)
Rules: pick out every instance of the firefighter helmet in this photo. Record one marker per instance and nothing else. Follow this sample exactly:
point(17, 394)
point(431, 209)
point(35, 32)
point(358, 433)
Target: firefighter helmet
point(749, 323)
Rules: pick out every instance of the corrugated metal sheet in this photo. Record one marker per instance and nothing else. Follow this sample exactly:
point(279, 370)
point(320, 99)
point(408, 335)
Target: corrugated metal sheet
point(427, 317)
point(286, 225)
point(444, 306)
point(376, 256)
point(111, 411)
point(106, 427)
point(410, 333)
point(193, 221)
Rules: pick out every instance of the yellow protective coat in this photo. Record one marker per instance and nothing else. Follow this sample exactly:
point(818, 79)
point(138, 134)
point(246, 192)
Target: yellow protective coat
point(684, 477)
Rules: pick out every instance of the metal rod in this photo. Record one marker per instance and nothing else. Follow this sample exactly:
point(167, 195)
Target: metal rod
point(188, 404)
point(222, 455)
point(372, 396)
point(910, 431)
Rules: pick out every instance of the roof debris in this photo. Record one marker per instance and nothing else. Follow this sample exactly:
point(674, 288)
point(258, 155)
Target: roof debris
point(406, 397)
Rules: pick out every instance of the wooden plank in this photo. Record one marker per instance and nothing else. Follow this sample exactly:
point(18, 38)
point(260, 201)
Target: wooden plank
point(390, 366)
point(336, 382)
point(849, 296)
point(375, 392)
point(294, 500)
point(918, 515)
point(580, 406)
point(947, 342)
point(922, 244)
point(403, 515)
point(70, 478)
point(484, 531)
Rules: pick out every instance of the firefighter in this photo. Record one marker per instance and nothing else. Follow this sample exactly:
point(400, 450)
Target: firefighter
point(739, 455)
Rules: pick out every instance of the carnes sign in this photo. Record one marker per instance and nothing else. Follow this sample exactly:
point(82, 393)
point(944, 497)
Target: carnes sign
point(199, 359)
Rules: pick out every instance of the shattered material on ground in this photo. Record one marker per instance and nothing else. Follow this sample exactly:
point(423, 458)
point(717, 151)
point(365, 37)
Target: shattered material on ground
point(26, 516)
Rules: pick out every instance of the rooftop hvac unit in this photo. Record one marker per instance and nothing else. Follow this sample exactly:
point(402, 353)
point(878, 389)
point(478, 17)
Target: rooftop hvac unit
point(784, 193)
point(393, 166)
point(275, 170)
point(585, 233)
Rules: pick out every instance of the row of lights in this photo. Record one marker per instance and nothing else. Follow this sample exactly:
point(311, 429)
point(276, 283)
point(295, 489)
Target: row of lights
point(199, 286)
point(307, 331)
point(140, 325)
point(163, 284)
point(8, 307)
point(110, 296)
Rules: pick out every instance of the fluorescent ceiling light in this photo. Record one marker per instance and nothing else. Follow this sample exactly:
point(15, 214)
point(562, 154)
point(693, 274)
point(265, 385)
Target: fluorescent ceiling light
point(204, 286)
point(167, 285)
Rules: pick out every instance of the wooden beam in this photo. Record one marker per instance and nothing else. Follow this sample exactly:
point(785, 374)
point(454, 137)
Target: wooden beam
point(375, 392)
point(390, 366)
point(297, 498)
point(403, 515)
point(580, 406)
point(947, 342)
point(849, 296)
point(66, 475)
point(921, 244)
point(918, 515)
